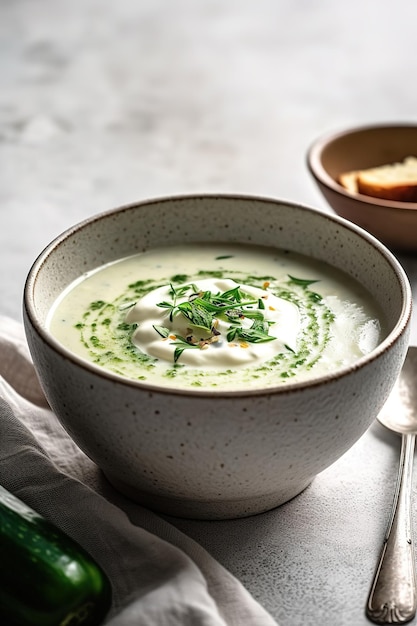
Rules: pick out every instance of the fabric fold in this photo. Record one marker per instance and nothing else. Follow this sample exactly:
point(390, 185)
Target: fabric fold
point(159, 575)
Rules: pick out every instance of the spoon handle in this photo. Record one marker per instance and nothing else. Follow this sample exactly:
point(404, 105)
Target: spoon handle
point(393, 598)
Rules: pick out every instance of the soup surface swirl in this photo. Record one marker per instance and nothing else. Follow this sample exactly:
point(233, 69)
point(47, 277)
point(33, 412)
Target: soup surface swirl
point(224, 316)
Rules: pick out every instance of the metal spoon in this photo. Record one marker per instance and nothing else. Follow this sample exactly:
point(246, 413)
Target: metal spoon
point(393, 595)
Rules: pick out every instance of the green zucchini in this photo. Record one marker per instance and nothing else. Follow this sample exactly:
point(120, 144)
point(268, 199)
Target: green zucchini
point(46, 578)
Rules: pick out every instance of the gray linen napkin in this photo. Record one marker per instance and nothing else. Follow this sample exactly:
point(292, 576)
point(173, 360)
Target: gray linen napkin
point(160, 577)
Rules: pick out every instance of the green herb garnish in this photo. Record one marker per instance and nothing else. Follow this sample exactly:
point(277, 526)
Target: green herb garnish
point(203, 309)
point(257, 333)
point(301, 282)
point(183, 344)
point(161, 330)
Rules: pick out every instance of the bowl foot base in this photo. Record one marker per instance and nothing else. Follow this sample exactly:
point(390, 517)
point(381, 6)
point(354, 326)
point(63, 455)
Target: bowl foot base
point(206, 509)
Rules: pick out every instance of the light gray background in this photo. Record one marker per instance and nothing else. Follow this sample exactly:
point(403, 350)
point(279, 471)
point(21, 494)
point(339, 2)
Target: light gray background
point(104, 103)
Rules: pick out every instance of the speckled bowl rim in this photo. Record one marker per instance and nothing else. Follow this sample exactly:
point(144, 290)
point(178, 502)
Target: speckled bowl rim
point(318, 171)
point(397, 331)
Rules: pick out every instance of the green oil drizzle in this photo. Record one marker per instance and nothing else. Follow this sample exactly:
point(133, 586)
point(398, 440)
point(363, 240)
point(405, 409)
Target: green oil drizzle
point(108, 338)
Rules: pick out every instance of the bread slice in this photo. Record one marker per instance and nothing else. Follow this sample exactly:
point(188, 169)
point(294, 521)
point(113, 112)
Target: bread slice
point(396, 181)
point(348, 180)
point(391, 182)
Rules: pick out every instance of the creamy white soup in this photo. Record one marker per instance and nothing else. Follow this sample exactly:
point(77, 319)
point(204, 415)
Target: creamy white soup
point(217, 316)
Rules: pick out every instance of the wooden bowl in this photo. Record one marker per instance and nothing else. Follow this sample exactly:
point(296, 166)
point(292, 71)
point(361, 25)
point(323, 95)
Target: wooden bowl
point(394, 223)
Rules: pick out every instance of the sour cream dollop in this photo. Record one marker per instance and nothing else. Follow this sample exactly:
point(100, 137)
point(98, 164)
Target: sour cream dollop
point(282, 315)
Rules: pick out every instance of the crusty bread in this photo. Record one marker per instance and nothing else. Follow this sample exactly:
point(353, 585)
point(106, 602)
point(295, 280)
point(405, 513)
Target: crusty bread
point(396, 181)
point(391, 182)
point(348, 180)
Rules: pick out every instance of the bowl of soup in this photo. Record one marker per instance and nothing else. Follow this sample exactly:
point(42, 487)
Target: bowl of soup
point(368, 174)
point(213, 353)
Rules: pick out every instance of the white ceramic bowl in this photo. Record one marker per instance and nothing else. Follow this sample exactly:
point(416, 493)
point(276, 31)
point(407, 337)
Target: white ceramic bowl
point(213, 454)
